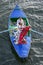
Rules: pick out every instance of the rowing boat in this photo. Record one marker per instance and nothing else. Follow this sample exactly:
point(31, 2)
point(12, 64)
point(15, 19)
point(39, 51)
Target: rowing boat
point(21, 49)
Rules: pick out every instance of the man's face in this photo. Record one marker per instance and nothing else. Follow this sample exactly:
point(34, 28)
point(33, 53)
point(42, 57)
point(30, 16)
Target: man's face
point(20, 23)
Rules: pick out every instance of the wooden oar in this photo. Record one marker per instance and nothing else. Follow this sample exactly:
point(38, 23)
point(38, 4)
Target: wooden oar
point(15, 28)
point(37, 32)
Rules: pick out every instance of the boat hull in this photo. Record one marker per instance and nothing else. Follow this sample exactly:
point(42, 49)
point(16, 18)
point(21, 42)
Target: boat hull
point(22, 49)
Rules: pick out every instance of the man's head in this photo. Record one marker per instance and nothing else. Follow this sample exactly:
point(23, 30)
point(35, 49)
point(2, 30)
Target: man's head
point(20, 18)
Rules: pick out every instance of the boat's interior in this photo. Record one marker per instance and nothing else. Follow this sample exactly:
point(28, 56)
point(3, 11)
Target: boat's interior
point(13, 22)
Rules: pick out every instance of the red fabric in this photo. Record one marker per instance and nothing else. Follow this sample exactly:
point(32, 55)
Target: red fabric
point(22, 34)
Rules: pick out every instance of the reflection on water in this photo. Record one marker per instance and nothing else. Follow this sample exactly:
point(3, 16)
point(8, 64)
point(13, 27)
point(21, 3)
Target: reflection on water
point(35, 15)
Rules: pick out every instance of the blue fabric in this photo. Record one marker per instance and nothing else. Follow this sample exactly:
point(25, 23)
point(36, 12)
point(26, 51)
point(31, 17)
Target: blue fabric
point(17, 12)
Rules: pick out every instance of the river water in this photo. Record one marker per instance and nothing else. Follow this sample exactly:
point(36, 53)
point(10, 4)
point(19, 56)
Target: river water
point(8, 56)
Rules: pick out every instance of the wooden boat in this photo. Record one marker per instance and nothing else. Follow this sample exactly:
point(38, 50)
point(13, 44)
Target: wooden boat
point(21, 49)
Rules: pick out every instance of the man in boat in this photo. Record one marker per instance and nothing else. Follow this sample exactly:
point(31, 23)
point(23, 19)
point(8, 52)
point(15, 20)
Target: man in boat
point(20, 25)
point(21, 32)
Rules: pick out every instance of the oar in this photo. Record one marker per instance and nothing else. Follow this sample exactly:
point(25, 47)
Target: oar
point(4, 31)
point(37, 32)
point(14, 28)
